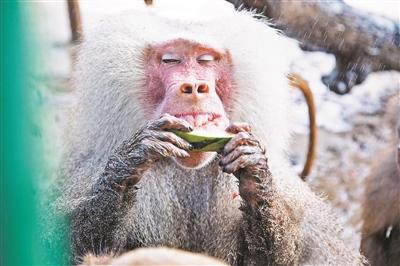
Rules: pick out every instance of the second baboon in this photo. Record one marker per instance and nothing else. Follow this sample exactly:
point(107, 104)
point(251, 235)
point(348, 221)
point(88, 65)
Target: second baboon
point(381, 207)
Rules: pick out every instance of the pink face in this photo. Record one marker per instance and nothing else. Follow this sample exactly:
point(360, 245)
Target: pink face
point(192, 82)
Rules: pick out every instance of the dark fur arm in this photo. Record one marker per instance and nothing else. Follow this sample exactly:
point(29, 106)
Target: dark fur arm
point(270, 229)
point(95, 219)
point(269, 225)
point(284, 223)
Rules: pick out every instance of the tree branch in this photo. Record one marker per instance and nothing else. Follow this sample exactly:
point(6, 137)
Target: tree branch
point(361, 42)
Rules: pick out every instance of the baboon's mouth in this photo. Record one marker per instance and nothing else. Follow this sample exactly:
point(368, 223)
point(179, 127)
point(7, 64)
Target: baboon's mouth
point(203, 120)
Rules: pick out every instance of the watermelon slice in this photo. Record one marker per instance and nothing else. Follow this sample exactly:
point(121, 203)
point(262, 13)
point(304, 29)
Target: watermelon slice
point(203, 140)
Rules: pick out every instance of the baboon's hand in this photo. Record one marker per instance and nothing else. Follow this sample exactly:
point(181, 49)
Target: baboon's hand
point(243, 153)
point(244, 156)
point(149, 144)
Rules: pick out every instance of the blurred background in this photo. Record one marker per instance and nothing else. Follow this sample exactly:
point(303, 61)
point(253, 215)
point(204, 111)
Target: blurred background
point(351, 127)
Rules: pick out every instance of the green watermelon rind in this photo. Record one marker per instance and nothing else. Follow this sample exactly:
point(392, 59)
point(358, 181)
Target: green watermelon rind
point(203, 142)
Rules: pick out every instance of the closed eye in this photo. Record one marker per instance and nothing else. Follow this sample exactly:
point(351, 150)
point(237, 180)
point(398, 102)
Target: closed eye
point(205, 58)
point(170, 58)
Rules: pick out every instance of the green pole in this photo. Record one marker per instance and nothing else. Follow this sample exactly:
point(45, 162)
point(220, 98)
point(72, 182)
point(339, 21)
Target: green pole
point(18, 214)
point(22, 167)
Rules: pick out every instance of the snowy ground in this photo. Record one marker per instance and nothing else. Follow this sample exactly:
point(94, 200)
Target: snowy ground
point(351, 129)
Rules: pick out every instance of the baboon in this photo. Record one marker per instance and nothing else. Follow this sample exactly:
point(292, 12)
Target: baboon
point(152, 256)
point(380, 241)
point(132, 183)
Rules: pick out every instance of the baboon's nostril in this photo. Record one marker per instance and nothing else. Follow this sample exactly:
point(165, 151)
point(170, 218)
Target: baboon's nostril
point(202, 88)
point(186, 88)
